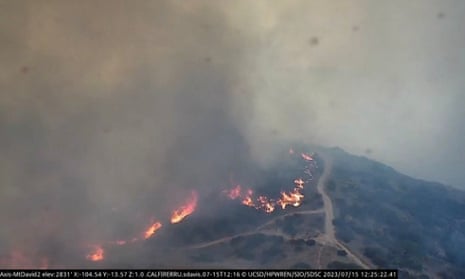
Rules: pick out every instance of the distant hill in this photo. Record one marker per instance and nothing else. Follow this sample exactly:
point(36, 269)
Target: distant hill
point(397, 221)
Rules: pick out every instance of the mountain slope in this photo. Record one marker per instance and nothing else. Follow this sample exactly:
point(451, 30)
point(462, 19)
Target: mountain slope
point(396, 221)
point(357, 213)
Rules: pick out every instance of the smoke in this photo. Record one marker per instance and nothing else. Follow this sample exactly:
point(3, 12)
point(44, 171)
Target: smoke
point(377, 79)
point(110, 114)
point(112, 111)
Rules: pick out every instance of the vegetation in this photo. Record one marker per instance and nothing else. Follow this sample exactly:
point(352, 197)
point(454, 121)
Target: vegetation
point(401, 222)
point(341, 253)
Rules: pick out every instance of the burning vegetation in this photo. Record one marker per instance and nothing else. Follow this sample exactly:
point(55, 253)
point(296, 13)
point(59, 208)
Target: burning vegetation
point(152, 229)
point(266, 204)
point(244, 195)
point(185, 210)
point(97, 254)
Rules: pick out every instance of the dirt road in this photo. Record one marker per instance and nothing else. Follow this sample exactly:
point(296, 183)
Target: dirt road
point(330, 236)
point(327, 204)
point(257, 230)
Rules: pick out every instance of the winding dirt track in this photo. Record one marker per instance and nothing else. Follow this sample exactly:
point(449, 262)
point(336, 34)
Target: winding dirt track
point(329, 236)
point(257, 230)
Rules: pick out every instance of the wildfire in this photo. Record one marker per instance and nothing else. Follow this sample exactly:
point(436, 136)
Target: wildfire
point(294, 198)
point(244, 195)
point(185, 210)
point(247, 200)
point(152, 229)
point(266, 204)
point(97, 254)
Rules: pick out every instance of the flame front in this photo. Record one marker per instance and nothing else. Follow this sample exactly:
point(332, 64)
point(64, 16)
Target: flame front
point(266, 204)
point(185, 210)
point(152, 229)
point(97, 254)
point(294, 198)
point(244, 195)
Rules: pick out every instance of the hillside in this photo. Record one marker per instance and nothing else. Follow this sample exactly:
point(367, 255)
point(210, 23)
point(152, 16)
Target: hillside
point(315, 208)
point(396, 221)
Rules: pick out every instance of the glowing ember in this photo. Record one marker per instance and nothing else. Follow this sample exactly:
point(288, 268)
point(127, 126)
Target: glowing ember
point(265, 204)
point(152, 229)
point(97, 254)
point(248, 201)
point(307, 157)
point(185, 210)
point(234, 193)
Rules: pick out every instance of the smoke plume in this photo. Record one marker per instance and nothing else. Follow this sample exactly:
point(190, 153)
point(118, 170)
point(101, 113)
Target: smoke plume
point(113, 111)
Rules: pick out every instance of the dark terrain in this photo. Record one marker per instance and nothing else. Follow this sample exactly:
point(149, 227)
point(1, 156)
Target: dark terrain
point(382, 219)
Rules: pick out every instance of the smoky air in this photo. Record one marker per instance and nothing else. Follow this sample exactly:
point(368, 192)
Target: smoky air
point(129, 130)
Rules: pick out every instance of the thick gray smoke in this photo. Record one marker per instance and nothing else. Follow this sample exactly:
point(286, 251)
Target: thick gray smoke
point(112, 111)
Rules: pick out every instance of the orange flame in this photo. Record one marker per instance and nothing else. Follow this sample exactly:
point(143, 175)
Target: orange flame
point(294, 198)
point(185, 210)
point(97, 254)
point(247, 200)
point(307, 157)
point(152, 229)
point(246, 196)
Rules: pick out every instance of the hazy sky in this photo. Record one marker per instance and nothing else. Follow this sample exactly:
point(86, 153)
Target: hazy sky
point(118, 105)
point(379, 76)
